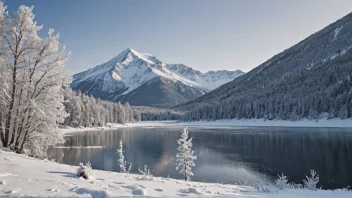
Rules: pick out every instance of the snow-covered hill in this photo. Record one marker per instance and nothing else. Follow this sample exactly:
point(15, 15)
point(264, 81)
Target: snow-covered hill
point(22, 176)
point(117, 78)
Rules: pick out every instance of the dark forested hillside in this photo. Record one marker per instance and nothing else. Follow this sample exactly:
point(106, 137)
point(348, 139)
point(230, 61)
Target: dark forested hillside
point(150, 113)
point(309, 80)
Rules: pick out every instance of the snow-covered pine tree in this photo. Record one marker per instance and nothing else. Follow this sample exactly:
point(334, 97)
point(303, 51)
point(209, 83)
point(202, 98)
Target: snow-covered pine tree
point(282, 181)
point(122, 114)
point(128, 112)
point(311, 181)
point(185, 156)
point(121, 160)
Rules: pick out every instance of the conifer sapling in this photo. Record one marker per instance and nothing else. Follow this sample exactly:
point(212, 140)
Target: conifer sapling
point(185, 156)
point(121, 160)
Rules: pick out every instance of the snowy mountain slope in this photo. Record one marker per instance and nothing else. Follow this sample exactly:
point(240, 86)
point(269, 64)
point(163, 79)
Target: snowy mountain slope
point(130, 69)
point(210, 80)
point(161, 92)
point(309, 80)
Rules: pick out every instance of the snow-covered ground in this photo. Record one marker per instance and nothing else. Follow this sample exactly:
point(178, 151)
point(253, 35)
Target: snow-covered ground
point(223, 123)
point(24, 176)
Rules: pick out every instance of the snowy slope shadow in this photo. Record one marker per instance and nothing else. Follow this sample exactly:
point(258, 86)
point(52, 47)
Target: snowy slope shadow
point(65, 174)
point(5, 149)
point(190, 190)
point(137, 190)
point(93, 193)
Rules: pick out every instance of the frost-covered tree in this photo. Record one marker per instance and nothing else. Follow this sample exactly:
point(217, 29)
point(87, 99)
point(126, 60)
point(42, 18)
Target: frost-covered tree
point(282, 182)
point(137, 115)
point(128, 113)
point(86, 110)
point(32, 97)
point(121, 160)
point(121, 114)
point(311, 181)
point(4, 75)
point(185, 157)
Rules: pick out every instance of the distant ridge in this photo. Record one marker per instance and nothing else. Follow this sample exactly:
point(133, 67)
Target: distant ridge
point(142, 79)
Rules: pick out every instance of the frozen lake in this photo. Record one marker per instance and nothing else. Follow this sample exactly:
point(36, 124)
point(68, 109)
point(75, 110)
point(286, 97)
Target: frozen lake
point(225, 154)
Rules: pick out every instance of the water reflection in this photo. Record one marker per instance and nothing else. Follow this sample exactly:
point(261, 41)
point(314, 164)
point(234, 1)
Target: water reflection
point(227, 155)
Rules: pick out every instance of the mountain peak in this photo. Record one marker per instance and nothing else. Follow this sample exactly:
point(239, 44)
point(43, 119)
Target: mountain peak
point(129, 50)
point(129, 70)
point(130, 55)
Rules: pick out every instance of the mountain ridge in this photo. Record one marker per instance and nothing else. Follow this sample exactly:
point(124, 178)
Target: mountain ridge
point(126, 72)
point(310, 79)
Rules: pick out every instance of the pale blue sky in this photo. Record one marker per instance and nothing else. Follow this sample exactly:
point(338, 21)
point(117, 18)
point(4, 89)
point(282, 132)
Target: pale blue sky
point(203, 34)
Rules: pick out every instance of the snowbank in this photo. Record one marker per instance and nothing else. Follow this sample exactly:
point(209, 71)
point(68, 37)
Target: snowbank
point(25, 176)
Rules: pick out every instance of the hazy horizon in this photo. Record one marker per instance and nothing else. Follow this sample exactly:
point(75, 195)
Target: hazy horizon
point(205, 35)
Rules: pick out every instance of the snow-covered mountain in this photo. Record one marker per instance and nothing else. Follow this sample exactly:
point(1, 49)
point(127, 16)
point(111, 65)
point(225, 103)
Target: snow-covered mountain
point(127, 76)
point(210, 80)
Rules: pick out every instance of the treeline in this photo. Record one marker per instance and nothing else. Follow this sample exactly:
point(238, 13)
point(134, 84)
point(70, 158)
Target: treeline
point(150, 113)
point(313, 94)
point(84, 110)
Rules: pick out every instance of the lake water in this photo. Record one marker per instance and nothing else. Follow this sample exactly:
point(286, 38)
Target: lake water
point(225, 154)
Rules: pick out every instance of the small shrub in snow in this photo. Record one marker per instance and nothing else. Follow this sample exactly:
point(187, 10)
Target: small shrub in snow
point(146, 176)
point(121, 160)
point(296, 186)
point(312, 181)
point(264, 187)
point(282, 182)
point(85, 171)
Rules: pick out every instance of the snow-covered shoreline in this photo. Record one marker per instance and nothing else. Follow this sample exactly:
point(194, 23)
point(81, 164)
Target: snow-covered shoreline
point(111, 126)
point(24, 176)
point(272, 123)
point(344, 123)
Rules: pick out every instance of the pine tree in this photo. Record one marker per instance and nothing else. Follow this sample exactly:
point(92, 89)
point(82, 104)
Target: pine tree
point(185, 156)
point(121, 160)
point(311, 181)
